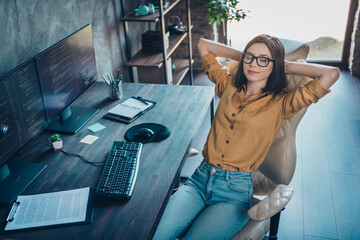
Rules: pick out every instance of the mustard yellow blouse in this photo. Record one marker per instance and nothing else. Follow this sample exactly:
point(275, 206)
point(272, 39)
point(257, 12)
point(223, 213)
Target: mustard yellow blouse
point(242, 132)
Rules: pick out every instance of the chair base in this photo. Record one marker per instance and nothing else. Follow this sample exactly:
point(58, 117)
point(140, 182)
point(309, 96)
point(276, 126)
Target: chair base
point(274, 225)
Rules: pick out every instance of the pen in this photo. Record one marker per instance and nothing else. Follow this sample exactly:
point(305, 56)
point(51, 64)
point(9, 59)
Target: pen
point(114, 84)
point(109, 78)
point(112, 78)
point(107, 82)
point(142, 100)
point(119, 79)
point(118, 74)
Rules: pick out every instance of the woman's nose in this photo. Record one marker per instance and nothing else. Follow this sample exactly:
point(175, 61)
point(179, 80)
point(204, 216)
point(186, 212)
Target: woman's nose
point(253, 63)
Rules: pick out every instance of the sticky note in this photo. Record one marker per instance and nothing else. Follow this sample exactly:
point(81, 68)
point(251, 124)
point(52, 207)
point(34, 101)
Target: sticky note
point(96, 127)
point(89, 139)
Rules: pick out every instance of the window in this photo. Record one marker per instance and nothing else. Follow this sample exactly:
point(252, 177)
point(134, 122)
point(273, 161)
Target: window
point(321, 23)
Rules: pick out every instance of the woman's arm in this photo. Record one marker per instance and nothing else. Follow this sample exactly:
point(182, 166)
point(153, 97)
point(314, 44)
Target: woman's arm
point(220, 50)
point(327, 75)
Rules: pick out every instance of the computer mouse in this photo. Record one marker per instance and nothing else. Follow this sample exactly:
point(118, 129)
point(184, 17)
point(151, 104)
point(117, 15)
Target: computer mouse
point(143, 134)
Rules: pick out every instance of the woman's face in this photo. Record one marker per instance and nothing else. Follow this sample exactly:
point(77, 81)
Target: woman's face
point(252, 71)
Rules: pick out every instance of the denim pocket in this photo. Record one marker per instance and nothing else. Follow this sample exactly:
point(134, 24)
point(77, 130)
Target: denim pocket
point(199, 178)
point(240, 185)
point(242, 189)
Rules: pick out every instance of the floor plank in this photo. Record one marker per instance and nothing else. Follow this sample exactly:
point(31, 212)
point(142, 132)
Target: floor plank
point(292, 218)
point(319, 216)
point(341, 155)
point(309, 237)
point(346, 194)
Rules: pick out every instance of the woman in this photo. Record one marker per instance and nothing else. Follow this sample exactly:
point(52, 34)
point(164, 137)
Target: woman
point(253, 106)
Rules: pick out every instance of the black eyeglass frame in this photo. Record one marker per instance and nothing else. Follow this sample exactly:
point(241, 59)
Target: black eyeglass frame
point(257, 59)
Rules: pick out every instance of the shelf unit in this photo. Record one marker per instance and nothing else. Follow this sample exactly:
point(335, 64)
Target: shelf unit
point(159, 60)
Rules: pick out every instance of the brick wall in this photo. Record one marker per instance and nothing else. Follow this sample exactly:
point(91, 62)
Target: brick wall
point(201, 28)
point(354, 61)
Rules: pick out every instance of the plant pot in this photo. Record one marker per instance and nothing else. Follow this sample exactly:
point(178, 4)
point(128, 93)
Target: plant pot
point(57, 145)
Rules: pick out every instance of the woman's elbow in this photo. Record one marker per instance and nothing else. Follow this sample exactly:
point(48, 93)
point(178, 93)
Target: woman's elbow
point(201, 47)
point(200, 42)
point(331, 77)
point(335, 74)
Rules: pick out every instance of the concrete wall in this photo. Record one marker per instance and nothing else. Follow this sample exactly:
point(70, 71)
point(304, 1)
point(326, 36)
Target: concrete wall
point(354, 61)
point(28, 27)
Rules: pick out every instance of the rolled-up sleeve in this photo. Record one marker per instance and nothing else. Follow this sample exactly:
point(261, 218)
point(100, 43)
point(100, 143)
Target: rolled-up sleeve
point(302, 97)
point(216, 72)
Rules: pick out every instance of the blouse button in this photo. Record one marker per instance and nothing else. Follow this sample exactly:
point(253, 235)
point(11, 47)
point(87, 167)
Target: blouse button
point(231, 127)
point(240, 106)
point(227, 141)
point(233, 114)
point(218, 165)
point(222, 155)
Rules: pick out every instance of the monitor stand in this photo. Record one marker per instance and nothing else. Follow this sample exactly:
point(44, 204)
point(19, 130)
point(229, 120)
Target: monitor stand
point(72, 119)
point(15, 176)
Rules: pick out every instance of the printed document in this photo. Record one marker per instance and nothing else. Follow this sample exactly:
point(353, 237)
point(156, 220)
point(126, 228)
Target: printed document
point(57, 208)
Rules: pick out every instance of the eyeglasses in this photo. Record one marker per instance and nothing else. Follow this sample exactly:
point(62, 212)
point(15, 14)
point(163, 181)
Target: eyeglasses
point(261, 61)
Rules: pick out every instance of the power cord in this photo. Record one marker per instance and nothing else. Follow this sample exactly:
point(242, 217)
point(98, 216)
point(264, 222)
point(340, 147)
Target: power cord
point(30, 147)
point(97, 164)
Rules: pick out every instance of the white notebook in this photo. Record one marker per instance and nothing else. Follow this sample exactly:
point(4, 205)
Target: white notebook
point(130, 108)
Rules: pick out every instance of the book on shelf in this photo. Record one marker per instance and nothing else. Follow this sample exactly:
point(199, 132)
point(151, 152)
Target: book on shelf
point(156, 42)
point(154, 35)
point(154, 47)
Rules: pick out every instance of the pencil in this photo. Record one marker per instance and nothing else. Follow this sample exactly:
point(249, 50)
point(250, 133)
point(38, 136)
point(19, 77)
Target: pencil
point(107, 82)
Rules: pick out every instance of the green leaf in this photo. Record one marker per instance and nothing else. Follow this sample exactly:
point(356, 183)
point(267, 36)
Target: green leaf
point(222, 10)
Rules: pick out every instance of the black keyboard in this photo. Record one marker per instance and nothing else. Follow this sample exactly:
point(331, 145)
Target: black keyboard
point(120, 171)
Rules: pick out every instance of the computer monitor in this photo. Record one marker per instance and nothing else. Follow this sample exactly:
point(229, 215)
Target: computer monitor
point(22, 117)
point(66, 70)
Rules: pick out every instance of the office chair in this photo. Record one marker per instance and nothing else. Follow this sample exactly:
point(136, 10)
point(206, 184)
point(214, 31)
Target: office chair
point(271, 179)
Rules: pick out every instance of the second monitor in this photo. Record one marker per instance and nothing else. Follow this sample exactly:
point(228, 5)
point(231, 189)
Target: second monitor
point(65, 71)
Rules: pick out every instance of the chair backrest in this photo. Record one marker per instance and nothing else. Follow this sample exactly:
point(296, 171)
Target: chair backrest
point(279, 164)
point(280, 161)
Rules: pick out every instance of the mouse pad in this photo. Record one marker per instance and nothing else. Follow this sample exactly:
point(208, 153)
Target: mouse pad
point(160, 132)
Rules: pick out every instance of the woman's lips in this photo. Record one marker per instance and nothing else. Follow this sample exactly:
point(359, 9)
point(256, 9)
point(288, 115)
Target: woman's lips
point(252, 72)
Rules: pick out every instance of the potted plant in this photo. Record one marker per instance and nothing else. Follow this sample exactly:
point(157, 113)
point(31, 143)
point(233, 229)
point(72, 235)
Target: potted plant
point(56, 141)
point(221, 11)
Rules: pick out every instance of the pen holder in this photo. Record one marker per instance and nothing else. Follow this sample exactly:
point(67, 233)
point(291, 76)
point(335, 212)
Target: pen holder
point(115, 91)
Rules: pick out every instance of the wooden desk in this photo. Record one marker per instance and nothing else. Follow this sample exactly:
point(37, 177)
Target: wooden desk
point(180, 108)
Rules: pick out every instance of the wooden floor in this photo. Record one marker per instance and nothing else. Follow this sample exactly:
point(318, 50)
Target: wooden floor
point(326, 201)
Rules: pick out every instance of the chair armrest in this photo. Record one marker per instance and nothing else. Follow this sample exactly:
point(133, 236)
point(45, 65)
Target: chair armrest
point(272, 204)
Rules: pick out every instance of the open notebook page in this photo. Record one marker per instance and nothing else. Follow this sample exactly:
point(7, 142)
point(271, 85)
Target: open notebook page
point(130, 108)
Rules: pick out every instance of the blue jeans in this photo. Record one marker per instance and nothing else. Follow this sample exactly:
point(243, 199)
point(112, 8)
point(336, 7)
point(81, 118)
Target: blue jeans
point(212, 204)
